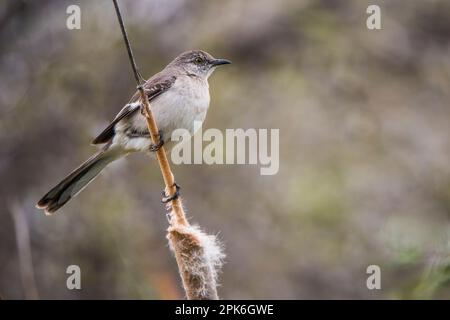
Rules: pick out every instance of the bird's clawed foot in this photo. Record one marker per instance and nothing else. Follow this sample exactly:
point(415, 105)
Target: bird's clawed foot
point(167, 198)
point(142, 110)
point(156, 147)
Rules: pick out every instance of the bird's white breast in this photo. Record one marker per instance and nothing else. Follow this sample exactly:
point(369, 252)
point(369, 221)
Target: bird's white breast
point(184, 103)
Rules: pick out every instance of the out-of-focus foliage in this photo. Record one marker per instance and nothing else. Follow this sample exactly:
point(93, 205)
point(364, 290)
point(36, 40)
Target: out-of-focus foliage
point(364, 147)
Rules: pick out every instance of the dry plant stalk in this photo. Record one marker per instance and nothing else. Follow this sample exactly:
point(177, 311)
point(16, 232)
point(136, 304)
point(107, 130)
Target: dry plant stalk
point(24, 251)
point(169, 180)
point(199, 256)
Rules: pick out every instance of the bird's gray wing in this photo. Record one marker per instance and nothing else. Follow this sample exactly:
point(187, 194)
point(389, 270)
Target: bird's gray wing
point(153, 87)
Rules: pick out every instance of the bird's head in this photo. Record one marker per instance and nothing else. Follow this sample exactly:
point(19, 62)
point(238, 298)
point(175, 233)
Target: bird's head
point(198, 63)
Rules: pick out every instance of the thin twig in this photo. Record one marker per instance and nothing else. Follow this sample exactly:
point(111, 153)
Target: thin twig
point(127, 44)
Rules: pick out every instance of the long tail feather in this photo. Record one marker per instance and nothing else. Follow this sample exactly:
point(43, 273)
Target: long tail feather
point(76, 181)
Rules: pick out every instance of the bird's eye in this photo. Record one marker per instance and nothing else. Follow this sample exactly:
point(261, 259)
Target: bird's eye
point(198, 60)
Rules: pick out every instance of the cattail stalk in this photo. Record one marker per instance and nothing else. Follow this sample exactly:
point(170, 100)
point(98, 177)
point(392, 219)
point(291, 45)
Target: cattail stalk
point(199, 256)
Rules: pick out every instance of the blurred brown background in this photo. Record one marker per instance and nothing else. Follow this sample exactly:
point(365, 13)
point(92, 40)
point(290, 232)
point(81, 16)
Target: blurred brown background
point(364, 148)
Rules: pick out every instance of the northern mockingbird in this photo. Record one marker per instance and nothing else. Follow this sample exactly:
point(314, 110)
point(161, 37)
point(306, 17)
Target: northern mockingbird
point(179, 96)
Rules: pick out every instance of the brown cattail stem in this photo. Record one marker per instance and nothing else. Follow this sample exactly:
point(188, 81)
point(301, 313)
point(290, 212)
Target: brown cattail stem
point(198, 256)
point(169, 180)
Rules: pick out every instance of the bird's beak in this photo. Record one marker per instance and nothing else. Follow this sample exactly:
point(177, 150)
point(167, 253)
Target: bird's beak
point(218, 62)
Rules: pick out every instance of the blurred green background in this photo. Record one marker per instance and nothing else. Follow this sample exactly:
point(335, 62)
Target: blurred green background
point(364, 148)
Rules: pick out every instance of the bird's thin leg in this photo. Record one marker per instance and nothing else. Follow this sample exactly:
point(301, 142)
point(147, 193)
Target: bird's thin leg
point(155, 147)
point(167, 198)
point(138, 135)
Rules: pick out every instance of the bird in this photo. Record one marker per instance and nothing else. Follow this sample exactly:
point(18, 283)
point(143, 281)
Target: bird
point(179, 96)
